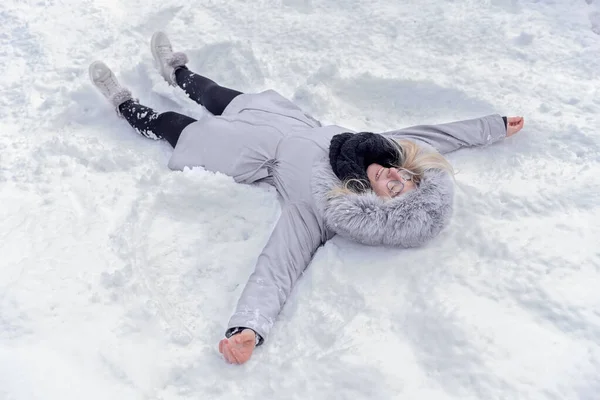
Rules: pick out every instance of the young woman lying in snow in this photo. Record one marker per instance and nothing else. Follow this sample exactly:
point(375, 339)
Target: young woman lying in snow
point(388, 189)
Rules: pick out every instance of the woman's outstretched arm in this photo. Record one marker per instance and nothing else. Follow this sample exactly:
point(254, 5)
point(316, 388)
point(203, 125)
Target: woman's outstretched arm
point(468, 133)
point(288, 252)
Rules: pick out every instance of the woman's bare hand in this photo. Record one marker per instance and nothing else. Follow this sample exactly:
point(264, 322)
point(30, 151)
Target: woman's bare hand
point(238, 348)
point(514, 125)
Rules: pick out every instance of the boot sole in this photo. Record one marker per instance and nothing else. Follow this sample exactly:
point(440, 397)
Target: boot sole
point(157, 63)
point(93, 67)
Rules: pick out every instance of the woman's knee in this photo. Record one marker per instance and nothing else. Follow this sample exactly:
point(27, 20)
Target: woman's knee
point(216, 98)
point(211, 99)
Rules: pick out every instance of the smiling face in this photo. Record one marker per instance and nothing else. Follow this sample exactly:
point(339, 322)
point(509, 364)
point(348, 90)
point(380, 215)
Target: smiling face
point(384, 181)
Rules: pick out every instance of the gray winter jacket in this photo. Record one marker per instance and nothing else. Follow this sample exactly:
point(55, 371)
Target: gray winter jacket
point(266, 138)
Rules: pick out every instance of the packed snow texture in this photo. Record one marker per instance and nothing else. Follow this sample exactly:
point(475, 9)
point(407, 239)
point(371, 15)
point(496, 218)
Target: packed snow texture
point(118, 276)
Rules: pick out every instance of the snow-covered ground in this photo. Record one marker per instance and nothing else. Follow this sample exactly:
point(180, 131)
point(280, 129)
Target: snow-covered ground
point(117, 276)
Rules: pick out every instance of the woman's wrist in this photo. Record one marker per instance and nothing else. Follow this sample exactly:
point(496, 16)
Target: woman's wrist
point(239, 329)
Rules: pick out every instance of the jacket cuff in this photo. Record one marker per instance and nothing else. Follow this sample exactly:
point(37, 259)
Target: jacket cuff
point(495, 128)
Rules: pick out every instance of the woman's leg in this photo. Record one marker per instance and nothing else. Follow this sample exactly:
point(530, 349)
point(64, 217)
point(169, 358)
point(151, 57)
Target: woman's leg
point(205, 91)
point(153, 125)
point(172, 66)
point(144, 120)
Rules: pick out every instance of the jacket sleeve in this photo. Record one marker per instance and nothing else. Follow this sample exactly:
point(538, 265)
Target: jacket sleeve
point(295, 239)
point(455, 135)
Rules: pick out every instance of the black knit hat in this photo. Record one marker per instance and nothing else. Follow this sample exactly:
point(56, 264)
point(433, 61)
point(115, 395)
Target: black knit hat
point(351, 153)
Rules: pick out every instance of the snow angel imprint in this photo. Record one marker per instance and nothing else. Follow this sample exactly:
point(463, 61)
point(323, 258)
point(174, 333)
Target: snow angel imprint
point(382, 189)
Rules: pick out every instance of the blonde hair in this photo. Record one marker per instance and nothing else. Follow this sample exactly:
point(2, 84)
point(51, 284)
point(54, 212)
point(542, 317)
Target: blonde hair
point(416, 161)
point(413, 159)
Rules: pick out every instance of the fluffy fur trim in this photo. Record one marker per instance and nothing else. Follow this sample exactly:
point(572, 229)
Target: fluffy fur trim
point(120, 97)
point(177, 60)
point(409, 220)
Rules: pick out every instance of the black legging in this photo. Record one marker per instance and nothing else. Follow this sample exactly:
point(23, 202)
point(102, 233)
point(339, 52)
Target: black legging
point(169, 125)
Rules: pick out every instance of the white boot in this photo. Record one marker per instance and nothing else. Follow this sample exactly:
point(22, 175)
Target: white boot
point(106, 81)
point(166, 60)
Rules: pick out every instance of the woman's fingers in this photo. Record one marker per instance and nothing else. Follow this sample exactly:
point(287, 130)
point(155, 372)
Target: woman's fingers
point(234, 355)
point(514, 125)
point(239, 357)
point(230, 348)
point(238, 349)
point(242, 348)
point(514, 119)
point(224, 349)
point(228, 353)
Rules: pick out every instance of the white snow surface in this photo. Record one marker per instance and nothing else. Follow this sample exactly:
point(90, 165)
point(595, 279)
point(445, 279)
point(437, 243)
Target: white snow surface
point(118, 276)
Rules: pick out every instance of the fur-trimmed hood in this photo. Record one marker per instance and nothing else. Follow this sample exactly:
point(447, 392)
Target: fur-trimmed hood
point(410, 220)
